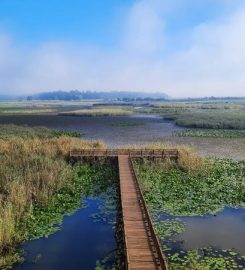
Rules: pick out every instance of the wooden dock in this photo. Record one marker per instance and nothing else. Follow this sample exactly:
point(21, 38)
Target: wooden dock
point(141, 245)
point(134, 153)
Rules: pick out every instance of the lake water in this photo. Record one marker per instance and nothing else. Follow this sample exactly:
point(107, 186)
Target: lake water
point(108, 129)
point(226, 230)
point(81, 241)
point(220, 235)
point(78, 245)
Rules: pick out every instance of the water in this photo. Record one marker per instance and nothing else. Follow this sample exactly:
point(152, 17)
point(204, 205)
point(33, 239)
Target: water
point(80, 242)
point(213, 236)
point(154, 128)
point(226, 230)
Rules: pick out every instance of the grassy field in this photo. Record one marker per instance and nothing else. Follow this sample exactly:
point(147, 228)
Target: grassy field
point(37, 185)
point(194, 187)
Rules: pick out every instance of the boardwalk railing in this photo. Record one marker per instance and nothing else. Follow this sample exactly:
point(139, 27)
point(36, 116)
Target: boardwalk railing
point(141, 244)
point(165, 153)
point(160, 258)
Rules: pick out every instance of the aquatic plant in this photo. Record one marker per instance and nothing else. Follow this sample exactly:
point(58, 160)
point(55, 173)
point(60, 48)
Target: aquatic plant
point(209, 115)
point(182, 192)
point(98, 112)
point(211, 133)
point(128, 124)
point(8, 131)
point(27, 111)
point(173, 189)
point(32, 173)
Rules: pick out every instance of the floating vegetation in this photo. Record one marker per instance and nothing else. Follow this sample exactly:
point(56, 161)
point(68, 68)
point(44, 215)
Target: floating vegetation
point(68, 199)
point(181, 193)
point(172, 192)
point(219, 133)
point(205, 259)
point(105, 263)
point(38, 187)
point(168, 227)
point(108, 209)
point(128, 124)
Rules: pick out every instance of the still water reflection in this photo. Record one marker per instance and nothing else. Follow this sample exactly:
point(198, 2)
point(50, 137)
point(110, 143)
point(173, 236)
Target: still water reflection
point(226, 230)
point(80, 242)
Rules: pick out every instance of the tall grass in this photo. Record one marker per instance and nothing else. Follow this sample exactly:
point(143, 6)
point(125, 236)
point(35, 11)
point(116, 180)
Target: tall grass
point(99, 112)
point(25, 132)
point(209, 119)
point(187, 159)
point(27, 111)
point(212, 133)
point(31, 171)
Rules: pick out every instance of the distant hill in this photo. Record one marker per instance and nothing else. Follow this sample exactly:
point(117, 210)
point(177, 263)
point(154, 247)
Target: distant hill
point(113, 95)
point(7, 98)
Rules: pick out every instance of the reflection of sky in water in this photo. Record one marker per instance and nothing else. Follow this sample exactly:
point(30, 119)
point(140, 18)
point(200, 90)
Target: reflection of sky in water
point(104, 128)
point(78, 244)
point(226, 230)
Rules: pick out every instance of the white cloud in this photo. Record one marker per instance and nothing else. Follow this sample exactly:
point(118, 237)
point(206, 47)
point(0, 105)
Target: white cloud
point(212, 63)
point(144, 29)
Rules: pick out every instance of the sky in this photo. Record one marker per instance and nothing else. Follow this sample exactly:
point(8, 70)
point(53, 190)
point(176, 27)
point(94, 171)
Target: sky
point(184, 48)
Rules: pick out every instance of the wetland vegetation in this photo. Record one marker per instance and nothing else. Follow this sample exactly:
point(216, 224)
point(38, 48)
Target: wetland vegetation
point(128, 124)
point(194, 187)
point(38, 187)
point(209, 115)
point(211, 133)
point(25, 132)
point(99, 112)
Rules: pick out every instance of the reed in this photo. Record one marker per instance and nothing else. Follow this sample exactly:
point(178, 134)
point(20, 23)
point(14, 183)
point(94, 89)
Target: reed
point(99, 112)
point(188, 160)
point(31, 172)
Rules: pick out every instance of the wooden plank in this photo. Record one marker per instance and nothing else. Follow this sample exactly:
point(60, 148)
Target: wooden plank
point(140, 250)
point(165, 153)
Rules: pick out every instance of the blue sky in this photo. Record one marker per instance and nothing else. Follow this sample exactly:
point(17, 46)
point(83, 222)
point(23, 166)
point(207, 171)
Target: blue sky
point(182, 47)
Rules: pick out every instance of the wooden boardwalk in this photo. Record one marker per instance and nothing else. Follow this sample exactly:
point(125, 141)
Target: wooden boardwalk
point(136, 153)
point(141, 245)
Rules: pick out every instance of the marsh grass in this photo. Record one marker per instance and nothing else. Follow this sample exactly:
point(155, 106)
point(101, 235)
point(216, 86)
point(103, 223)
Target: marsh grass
point(99, 112)
point(212, 133)
point(25, 132)
point(209, 119)
point(31, 173)
point(208, 115)
point(187, 159)
point(223, 119)
point(27, 111)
